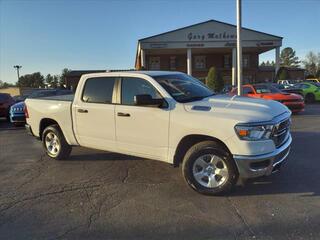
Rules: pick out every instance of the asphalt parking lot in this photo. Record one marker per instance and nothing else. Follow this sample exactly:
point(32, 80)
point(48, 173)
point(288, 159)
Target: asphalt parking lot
point(101, 195)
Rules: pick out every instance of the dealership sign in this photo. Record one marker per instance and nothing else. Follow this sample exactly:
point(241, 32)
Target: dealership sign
point(211, 36)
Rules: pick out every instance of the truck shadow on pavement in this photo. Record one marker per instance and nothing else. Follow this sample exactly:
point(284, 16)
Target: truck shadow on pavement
point(100, 156)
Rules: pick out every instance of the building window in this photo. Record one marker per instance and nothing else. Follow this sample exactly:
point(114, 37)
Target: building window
point(154, 63)
point(200, 62)
point(226, 61)
point(173, 63)
point(245, 61)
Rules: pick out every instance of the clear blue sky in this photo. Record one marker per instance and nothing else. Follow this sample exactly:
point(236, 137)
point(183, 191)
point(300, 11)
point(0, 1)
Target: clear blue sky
point(47, 36)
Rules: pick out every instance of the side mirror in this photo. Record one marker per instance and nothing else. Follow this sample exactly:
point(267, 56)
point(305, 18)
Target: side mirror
point(147, 100)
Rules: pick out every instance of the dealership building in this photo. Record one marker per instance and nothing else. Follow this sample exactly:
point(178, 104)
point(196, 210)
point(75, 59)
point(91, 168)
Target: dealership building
point(196, 48)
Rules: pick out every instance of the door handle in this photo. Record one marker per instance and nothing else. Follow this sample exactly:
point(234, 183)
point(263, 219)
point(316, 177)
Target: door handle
point(82, 110)
point(120, 114)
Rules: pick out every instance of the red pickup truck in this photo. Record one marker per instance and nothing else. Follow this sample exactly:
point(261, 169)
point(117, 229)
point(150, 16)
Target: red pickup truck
point(293, 101)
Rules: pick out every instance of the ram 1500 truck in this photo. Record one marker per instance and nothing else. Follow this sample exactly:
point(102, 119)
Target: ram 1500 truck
point(167, 116)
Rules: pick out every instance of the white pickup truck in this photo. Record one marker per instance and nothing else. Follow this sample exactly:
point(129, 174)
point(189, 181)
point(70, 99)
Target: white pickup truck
point(167, 116)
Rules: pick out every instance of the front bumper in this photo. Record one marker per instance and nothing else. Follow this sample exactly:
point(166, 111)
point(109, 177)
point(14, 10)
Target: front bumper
point(265, 164)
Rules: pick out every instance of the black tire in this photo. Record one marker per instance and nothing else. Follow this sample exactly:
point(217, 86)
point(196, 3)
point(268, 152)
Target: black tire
point(203, 149)
point(310, 98)
point(64, 150)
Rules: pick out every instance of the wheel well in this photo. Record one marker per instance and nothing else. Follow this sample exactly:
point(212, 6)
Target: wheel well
point(188, 141)
point(45, 123)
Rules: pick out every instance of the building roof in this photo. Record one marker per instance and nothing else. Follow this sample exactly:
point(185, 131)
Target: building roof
point(205, 22)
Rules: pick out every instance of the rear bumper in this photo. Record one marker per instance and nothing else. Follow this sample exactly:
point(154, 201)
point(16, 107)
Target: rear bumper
point(295, 106)
point(265, 164)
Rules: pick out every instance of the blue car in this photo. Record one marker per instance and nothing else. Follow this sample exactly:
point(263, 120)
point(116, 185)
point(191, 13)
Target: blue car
point(16, 113)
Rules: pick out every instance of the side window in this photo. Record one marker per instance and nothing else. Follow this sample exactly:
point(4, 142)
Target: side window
point(305, 86)
point(247, 90)
point(98, 90)
point(136, 86)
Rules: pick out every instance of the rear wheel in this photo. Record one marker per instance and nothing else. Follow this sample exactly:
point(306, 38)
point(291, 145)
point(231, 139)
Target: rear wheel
point(310, 98)
point(55, 143)
point(209, 169)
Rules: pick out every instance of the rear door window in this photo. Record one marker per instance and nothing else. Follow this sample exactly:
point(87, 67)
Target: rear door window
point(98, 90)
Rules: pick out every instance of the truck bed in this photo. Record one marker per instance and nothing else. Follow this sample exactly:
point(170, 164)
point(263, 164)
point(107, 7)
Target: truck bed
point(54, 107)
point(68, 98)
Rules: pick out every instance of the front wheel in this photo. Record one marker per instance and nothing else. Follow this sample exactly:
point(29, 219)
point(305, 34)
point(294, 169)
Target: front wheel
point(55, 144)
point(209, 169)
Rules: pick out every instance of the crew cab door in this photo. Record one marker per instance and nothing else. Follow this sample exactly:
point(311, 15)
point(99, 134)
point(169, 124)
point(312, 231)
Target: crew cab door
point(93, 113)
point(141, 130)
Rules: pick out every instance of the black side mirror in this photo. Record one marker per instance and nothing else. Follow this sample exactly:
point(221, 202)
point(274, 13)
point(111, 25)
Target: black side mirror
point(147, 100)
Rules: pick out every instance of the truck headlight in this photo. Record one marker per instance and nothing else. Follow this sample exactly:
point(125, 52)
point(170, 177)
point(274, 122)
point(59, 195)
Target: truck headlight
point(254, 133)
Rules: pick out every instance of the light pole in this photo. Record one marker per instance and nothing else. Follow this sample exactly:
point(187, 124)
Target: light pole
point(239, 48)
point(18, 68)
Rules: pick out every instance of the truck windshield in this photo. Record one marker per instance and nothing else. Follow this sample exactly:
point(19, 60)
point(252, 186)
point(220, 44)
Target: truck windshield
point(184, 88)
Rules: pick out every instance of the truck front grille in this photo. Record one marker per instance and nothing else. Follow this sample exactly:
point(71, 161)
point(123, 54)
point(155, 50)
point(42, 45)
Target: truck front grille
point(281, 132)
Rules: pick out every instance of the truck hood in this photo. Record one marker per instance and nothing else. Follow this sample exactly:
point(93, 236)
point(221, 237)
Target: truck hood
point(242, 109)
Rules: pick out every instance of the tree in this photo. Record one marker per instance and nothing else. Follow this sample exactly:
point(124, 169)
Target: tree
point(288, 58)
point(312, 64)
point(214, 80)
point(62, 80)
point(49, 80)
point(55, 81)
point(34, 80)
point(282, 74)
point(5, 84)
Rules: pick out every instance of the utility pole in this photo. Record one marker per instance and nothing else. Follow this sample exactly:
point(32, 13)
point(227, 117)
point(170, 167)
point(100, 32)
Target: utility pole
point(239, 48)
point(18, 68)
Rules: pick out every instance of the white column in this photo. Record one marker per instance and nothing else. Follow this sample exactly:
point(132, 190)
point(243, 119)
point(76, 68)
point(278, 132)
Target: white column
point(239, 49)
point(277, 62)
point(234, 67)
point(143, 58)
point(189, 62)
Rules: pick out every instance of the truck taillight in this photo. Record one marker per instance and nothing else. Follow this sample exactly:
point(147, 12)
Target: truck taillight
point(26, 114)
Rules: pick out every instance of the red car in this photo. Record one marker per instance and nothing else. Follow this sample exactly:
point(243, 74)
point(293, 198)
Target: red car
point(5, 102)
point(293, 101)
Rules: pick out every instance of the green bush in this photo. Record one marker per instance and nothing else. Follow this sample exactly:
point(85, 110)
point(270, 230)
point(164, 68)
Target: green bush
point(214, 80)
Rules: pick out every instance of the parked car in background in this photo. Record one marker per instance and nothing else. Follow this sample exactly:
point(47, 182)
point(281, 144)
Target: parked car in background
point(293, 101)
point(310, 90)
point(17, 115)
point(19, 98)
point(287, 83)
point(5, 103)
point(170, 117)
point(288, 90)
point(315, 80)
